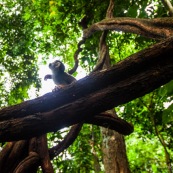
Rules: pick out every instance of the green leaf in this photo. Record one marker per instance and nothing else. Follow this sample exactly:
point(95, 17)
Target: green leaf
point(167, 115)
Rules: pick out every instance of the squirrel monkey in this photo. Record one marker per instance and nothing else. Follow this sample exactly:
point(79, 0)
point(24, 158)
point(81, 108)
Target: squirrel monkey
point(59, 76)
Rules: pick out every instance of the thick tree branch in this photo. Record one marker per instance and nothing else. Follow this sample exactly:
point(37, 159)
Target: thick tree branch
point(137, 75)
point(139, 62)
point(43, 153)
point(28, 163)
point(14, 158)
point(5, 154)
point(158, 28)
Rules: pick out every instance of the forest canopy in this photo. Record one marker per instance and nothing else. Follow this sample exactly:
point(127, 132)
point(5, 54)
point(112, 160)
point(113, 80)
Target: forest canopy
point(125, 48)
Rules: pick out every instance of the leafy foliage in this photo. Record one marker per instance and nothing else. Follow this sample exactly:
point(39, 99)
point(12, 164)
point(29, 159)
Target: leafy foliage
point(150, 117)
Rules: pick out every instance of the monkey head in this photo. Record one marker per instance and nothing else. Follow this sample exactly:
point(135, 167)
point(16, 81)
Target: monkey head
point(57, 67)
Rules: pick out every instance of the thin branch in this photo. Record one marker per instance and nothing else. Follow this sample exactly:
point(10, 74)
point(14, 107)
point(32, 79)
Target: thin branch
point(150, 108)
point(168, 6)
point(103, 53)
point(161, 139)
point(66, 142)
point(110, 10)
point(104, 58)
point(76, 56)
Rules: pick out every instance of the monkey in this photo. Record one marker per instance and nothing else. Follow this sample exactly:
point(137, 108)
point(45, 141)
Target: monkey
point(59, 76)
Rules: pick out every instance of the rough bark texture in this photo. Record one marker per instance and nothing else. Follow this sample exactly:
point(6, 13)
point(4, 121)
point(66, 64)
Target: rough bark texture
point(110, 148)
point(28, 164)
point(114, 151)
point(44, 154)
point(5, 153)
point(16, 154)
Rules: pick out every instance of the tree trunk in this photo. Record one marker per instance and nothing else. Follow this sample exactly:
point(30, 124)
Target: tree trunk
point(114, 151)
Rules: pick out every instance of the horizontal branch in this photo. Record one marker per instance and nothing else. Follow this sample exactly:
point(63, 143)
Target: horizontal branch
point(137, 75)
point(157, 28)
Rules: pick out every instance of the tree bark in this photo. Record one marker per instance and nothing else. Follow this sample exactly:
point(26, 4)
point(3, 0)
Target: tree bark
point(114, 151)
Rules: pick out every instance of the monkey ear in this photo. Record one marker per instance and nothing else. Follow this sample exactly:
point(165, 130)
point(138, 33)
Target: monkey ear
point(62, 67)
